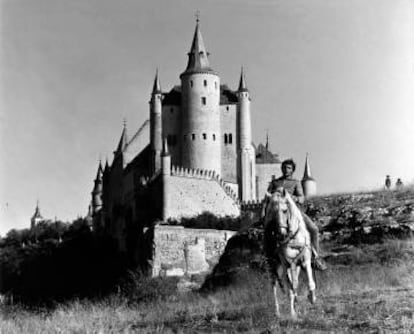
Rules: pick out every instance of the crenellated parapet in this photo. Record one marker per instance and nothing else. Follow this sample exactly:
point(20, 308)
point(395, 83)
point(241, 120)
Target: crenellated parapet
point(251, 205)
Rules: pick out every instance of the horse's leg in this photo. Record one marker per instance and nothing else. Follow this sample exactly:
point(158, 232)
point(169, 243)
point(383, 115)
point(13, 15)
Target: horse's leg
point(311, 281)
point(275, 297)
point(292, 290)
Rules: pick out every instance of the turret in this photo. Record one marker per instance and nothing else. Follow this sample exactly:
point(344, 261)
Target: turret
point(246, 168)
point(37, 217)
point(165, 175)
point(97, 191)
point(200, 101)
point(156, 125)
point(308, 182)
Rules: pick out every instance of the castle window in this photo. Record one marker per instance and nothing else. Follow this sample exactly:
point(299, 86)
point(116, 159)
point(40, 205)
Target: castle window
point(214, 137)
point(230, 138)
point(227, 108)
point(205, 83)
point(203, 100)
point(185, 137)
point(204, 136)
point(215, 84)
point(193, 136)
point(171, 110)
point(191, 83)
point(225, 138)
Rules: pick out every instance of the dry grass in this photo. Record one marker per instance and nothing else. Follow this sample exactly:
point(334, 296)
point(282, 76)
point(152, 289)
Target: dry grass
point(361, 296)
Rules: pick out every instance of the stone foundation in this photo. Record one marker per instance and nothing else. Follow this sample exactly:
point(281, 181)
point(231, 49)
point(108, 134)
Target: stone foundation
point(179, 251)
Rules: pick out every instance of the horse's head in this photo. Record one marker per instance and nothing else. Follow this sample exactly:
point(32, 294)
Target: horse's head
point(279, 212)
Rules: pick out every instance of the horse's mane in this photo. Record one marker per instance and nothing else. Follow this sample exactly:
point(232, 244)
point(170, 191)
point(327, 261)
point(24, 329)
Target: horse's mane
point(295, 214)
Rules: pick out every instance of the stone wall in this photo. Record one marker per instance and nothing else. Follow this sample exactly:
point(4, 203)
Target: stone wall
point(264, 174)
point(228, 115)
point(191, 193)
point(178, 250)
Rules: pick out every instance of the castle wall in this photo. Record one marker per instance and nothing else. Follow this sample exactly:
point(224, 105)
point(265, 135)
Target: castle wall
point(171, 128)
point(178, 250)
point(193, 195)
point(228, 124)
point(264, 174)
point(201, 121)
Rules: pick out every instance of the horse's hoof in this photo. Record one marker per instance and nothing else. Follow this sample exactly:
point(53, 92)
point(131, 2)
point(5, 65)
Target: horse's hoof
point(312, 297)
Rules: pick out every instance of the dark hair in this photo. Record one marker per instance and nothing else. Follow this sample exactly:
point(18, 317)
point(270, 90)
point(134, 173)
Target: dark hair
point(289, 162)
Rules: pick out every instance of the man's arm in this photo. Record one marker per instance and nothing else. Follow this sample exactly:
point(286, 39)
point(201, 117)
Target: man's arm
point(298, 195)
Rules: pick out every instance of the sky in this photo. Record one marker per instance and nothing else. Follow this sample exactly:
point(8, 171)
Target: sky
point(330, 77)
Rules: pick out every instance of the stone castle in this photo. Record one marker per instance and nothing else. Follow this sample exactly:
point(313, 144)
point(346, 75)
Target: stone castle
point(194, 154)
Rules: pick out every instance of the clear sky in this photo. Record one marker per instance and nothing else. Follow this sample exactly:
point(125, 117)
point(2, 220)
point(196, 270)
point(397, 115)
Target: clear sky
point(333, 78)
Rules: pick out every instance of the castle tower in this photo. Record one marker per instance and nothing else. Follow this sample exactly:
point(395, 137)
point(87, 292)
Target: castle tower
point(200, 102)
point(97, 191)
point(165, 174)
point(156, 125)
point(247, 164)
point(37, 217)
point(308, 182)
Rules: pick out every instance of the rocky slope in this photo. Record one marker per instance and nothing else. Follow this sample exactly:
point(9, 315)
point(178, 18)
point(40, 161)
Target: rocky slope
point(345, 220)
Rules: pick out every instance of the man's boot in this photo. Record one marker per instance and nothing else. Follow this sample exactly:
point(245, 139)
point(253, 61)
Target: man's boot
point(318, 262)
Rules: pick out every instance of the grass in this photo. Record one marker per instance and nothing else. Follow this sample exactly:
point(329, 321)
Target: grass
point(366, 294)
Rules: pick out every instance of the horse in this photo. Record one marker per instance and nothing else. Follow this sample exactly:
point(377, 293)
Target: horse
point(287, 246)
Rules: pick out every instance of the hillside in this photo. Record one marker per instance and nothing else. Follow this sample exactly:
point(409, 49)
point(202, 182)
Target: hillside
point(368, 288)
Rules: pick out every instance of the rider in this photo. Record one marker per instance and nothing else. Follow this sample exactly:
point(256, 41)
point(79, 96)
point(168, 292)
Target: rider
point(295, 189)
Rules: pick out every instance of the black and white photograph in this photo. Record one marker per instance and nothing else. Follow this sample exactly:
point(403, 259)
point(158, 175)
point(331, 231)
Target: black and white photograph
point(205, 166)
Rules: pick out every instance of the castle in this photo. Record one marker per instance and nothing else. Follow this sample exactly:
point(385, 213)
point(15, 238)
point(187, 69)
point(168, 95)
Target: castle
point(194, 154)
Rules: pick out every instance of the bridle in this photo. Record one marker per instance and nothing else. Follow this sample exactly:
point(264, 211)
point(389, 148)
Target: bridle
point(290, 235)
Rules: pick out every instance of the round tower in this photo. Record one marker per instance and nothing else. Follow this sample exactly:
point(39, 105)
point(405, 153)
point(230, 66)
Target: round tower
point(200, 110)
point(247, 163)
point(165, 176)
point(156, 125)
point(308, 182)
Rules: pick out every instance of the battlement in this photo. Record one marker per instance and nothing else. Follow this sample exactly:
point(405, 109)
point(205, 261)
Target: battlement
point(251, 205)
point(205, 175)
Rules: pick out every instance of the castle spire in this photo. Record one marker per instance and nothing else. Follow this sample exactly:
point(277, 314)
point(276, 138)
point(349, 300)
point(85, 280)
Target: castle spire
point(198, 55)
point(123, 140)
point(99, 172)
point(307, 173)
point(156, 89)
point(242, 83)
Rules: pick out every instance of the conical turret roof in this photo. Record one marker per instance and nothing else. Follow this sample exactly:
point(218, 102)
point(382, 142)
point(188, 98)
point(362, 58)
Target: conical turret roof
point(123, 141)
point(307, 173)
point(156, 88)
point(37, 213)
point(242, 83)
point(99, 172)
point(198, 55)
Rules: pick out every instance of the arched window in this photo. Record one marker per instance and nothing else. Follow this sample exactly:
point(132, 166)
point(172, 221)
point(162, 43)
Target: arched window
point(191, 83)
point(230, 138)
point(185, 137)
point(204, 136)
point(214, 137)
point(193, 136)
point(205, 83)
point(215, 84)
point(225, 138)
point(203, 100)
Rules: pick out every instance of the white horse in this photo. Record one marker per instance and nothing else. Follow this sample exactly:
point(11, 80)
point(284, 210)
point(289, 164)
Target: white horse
point(288, 247)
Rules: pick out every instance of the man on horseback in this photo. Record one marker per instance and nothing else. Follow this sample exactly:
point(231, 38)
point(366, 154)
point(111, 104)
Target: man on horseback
point(294, 188)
